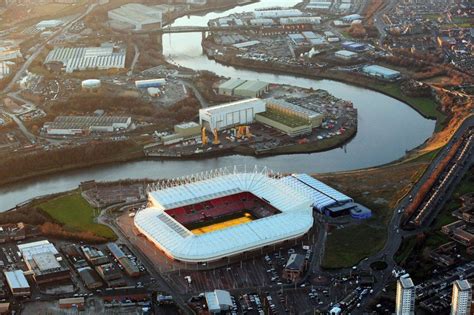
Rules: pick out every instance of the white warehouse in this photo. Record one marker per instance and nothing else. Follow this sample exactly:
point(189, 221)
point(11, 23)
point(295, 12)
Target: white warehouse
point(231, 114)
point(137, 16)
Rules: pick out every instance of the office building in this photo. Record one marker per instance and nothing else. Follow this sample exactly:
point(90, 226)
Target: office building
point(461, 298)
point(405, 301)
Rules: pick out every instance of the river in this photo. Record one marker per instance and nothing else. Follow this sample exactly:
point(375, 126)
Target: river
point(386, 127)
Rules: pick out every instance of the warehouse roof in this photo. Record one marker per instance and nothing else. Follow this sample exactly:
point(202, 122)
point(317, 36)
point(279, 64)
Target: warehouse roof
point(83, 122)
point(178, 242)
point(46, 261)
point(116, 251)
point(345, 53)
point(224, 107)
point(231, 84)
point(34, 248)
point(293, 107)
point(380, 70)
point(16, 279)
point(252, 85)
point(218, 300)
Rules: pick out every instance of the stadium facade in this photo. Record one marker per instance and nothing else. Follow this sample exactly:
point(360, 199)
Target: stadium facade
point(227, 212)
point(178, 215)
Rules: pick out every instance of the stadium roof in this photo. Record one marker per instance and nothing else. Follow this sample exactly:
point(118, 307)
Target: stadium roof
point(321, 194)
point(178, 242)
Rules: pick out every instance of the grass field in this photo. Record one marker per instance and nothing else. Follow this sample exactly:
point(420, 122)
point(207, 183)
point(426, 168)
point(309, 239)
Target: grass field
point(379, 189)
point(76, 214)
point(247, 217)
point(346, 247)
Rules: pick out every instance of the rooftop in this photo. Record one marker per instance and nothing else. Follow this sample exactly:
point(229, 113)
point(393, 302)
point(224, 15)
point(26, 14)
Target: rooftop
point(16, 279)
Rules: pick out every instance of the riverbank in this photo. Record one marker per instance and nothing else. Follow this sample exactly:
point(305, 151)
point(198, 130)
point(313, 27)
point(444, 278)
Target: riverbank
point(426, 107)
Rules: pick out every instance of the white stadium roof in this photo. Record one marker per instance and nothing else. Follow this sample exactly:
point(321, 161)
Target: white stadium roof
point(179, 243)
point(321, 194)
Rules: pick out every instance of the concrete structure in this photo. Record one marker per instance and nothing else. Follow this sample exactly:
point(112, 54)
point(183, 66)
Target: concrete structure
point(251, 88)
point(231, 114)
point(319, 4)
point(303, 20)
point(294, 267)
point(17, 283)
point(88, 58)
point(461, 298)
point(405, 300)
point(179, 243)
point(83, 125)
point(143, 84)
point(137, 16)
point(218, 301)
point(381, 72)
point(345, 54)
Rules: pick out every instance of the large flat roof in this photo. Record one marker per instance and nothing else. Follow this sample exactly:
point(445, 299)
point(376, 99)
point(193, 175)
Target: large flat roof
point(219, 108)
point(16, 279)
point(179, 243)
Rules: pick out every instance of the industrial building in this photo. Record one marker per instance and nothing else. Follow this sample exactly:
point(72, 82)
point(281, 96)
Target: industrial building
point(91, 84)
point(243, 88)
point(302, 20)
point(316, 119)
point(43, 25)
point(405, 300)
point(17, 283)
point(143, 84)
point(461, 298)
point(94, 256)
point(90, 278)
point(137, 16)
point(251, 88)
point(44, 261)
point(83, 125)
point(218, 301)
point(130, 268)
point(381, 72)
point(88, 58)
point(168, 222)
point(326, 199)
point(319, 4)
point(345, 54)
point(231, 114)
point(228, 87)
point(183, 131)
point(353, 46)
point(277, 13)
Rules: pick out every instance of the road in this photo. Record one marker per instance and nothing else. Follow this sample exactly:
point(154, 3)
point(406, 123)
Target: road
point(40, 49)
point(395, 234)
point(135, 59)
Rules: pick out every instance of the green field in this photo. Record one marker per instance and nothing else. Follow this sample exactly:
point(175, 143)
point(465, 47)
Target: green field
point(346, 247)
point(76, 214)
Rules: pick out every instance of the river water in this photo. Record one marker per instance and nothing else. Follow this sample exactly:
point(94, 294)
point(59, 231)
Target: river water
point(386, 127)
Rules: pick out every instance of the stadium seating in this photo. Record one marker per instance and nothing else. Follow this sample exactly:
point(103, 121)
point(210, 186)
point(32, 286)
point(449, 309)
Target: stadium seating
point(215, 208)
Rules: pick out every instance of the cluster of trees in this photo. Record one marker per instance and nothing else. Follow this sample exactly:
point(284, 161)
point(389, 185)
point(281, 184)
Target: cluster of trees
point(27, 215)
point(17, 166)
point(184, 110)
point(57, 231)
point(426, 187)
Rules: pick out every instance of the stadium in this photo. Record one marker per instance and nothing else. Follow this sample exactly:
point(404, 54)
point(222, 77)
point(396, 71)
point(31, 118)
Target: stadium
point(219, 214)
point(222, 213)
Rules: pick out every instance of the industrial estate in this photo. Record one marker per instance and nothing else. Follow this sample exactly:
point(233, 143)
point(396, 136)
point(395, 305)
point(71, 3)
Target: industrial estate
point(236, 157)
